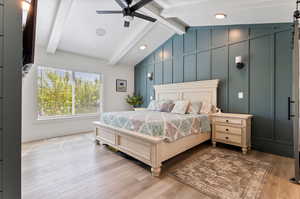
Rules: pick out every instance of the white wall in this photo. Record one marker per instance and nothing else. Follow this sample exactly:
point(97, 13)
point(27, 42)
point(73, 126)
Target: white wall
point(113, 101)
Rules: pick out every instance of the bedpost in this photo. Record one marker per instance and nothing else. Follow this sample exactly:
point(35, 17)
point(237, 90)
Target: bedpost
point(97, 141)
point(156, 160)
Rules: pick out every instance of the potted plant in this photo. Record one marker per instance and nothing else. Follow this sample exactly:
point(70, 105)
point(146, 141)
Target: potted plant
point(134, 100)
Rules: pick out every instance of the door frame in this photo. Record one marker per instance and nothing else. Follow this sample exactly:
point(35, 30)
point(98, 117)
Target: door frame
point(11, 100)
point(295, 102)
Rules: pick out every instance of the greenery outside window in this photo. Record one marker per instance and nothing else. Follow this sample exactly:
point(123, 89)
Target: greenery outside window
point(65, 93)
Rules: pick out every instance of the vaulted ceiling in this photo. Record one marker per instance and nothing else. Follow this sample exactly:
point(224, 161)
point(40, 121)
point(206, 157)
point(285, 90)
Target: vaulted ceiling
point(71, 25)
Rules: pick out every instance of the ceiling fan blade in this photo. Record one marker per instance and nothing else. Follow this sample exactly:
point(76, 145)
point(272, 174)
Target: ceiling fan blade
point(139, 15)
point(126, 24)
point(121, 3)
point(139, 4)
point(108, 12)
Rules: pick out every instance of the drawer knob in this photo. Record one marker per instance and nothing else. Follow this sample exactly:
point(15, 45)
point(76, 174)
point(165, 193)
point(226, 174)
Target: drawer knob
point(227, 138)
point(227, 121)
point(227, 129)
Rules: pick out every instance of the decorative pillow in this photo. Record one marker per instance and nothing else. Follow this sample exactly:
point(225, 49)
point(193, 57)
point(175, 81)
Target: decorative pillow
point(166, 106)
point(194, 107)
point(206, 108)
point(153, 105)
point(181, 107)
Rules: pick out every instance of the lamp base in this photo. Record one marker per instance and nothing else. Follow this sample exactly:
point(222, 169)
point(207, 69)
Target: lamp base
point(240, 65)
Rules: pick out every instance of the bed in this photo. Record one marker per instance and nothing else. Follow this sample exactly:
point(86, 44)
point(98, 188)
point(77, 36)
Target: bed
point(153, 137)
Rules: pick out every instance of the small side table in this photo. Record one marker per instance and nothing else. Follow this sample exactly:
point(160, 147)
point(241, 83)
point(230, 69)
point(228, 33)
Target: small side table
point(233, 129)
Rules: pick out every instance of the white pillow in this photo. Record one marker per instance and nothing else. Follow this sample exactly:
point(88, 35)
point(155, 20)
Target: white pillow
point(160, 105)
point(194, 107)
point(153, 105)
point(206, 108)
point(181, 107)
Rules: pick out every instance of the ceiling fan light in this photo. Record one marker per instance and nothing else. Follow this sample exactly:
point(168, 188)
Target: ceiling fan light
point(128, 18)
point(220, 16)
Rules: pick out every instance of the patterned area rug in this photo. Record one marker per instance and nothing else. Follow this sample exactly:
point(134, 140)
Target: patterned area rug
point(224, 174)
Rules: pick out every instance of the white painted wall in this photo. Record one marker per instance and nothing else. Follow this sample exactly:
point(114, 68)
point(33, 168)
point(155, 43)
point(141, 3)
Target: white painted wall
point(113, 101)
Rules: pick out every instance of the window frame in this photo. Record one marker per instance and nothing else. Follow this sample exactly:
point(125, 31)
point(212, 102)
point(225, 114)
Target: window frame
point(71, 116)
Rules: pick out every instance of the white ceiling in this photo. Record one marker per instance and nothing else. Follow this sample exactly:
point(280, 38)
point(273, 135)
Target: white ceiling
point(70, 25)
point(201, 12)
point(79, 35)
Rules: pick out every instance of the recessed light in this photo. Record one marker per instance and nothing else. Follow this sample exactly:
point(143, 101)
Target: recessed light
point(143, 47)
point(220, 16)
point(100, 32)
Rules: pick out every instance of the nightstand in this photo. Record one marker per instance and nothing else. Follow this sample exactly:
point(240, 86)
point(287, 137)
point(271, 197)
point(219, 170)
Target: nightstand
point(140, 109)
point(234, 129)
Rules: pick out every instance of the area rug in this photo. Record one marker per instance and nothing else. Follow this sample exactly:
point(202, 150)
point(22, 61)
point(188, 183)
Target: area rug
point(223, 174)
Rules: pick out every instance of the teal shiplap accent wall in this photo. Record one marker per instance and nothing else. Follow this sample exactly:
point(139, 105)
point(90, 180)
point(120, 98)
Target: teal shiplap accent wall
point(209, 53)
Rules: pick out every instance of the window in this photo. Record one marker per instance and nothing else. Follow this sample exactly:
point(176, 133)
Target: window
point(67, 93)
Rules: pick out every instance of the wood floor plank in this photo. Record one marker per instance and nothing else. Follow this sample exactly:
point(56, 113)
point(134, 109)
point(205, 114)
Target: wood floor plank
point(73, 167)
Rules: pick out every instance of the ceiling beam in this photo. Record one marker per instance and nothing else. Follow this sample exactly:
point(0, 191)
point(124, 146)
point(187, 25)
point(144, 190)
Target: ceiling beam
point(144, 29)
point(170, 23)
point(63, 11)
point(131, 42)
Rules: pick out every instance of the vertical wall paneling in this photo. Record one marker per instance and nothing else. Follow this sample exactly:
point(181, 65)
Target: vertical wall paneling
point(190, 41)
point(203, 65)
point(283, 88)
point(219, 37)
point(261, 86)
point(259, 31)
point(220, 71)
point(168, 62)
point(238, 79)
point(209, 53)
point(203, 39)
point(158, 55)
point(238, 34)
point(137, 80)
point(143, 84)
point(168, 71)
point(168, 50)
point(158, 76)
point(1, 150)
point(190, 68)
point(177, 59)
point(150, 90)
point(1, 49)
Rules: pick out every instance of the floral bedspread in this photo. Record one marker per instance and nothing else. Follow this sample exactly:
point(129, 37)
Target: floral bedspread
point(169, 126)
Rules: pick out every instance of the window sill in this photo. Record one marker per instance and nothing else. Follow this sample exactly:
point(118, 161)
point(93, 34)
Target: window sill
point(66, 118)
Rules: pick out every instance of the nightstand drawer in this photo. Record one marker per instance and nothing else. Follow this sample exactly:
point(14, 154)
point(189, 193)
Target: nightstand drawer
point(228, 129)
point(229, 121)
point(229, 138)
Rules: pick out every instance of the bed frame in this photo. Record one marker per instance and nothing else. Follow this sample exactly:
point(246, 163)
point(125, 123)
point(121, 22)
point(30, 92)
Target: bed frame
point(153, 150)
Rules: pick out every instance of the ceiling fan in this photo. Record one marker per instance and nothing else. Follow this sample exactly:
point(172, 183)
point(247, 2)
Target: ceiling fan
point(129, 12)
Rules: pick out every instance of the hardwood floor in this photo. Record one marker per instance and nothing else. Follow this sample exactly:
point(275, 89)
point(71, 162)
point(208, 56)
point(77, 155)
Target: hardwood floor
point(73, 167)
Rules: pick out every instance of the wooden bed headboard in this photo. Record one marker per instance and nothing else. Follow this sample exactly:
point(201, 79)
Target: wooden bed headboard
point(205, 91)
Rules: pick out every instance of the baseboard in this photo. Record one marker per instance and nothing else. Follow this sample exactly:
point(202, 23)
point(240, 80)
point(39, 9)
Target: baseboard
point(69, 133)
point(273, 147)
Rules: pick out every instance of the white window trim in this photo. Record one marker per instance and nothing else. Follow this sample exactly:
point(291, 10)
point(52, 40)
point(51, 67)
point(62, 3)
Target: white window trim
point(66, 118)
point(63, 118)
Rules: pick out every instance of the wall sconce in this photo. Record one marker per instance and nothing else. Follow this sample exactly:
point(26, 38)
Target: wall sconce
point(239, 62)
point(150, 76)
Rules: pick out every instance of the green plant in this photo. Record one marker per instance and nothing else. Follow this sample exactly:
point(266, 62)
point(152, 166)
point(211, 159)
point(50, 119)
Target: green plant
point(134, 100)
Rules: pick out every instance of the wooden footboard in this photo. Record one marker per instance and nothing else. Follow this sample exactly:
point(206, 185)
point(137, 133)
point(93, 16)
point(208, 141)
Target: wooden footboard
point(150, 150)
